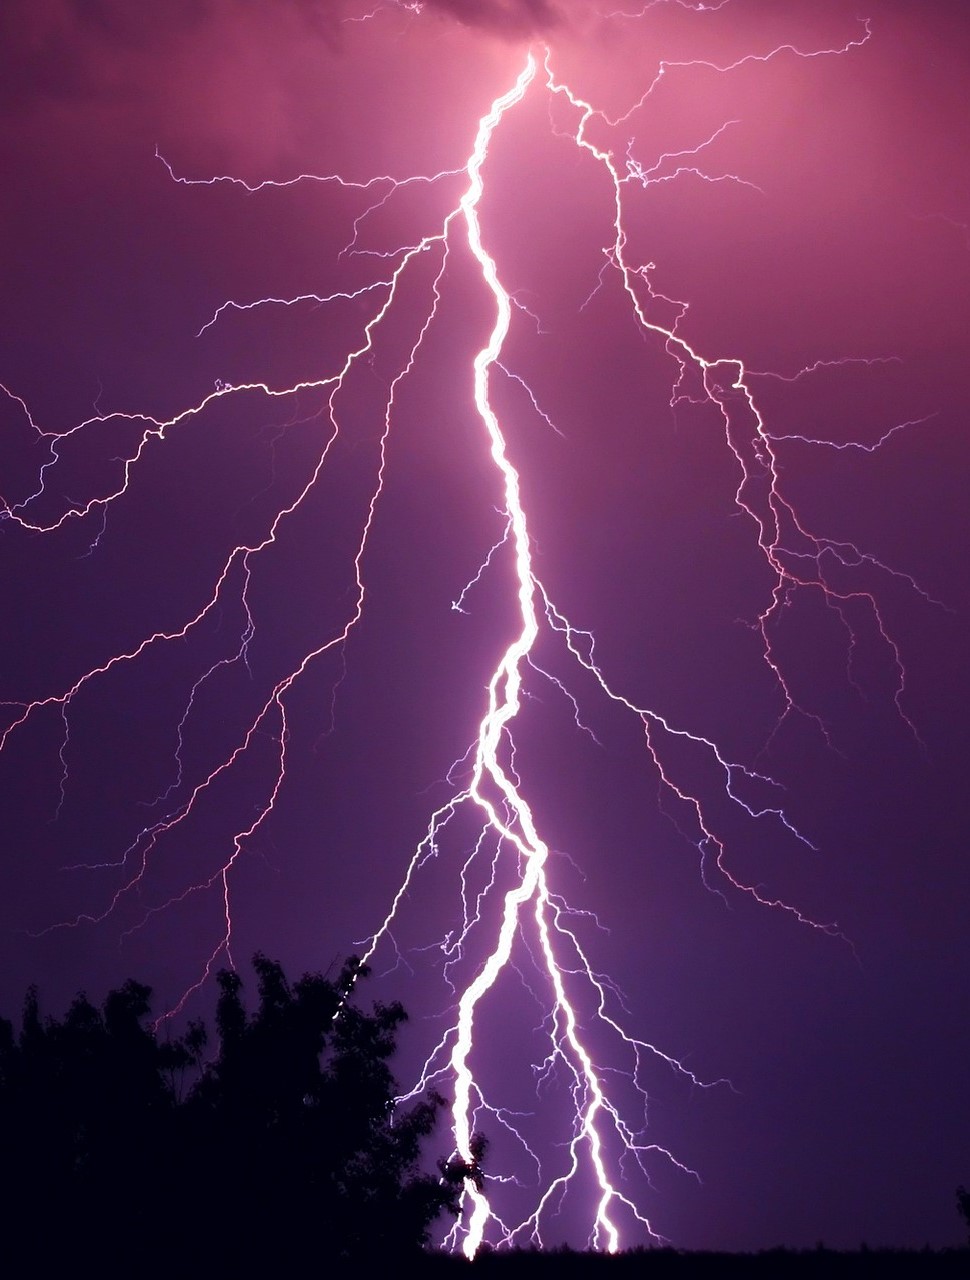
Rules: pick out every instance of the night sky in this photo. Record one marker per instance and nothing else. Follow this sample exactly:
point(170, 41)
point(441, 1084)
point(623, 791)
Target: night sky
point(812, 210)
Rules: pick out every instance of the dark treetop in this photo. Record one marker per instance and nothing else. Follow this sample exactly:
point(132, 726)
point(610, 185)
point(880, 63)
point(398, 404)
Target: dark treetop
point(279, 1141)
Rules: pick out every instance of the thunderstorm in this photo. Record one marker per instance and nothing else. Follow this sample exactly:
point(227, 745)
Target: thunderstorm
point(492, 510)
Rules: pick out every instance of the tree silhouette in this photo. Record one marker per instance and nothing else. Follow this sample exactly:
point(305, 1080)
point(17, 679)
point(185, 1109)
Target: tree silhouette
point(963, 1204)
point(285, 1139)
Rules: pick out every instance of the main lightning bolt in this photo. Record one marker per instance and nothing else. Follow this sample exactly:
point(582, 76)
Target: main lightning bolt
point(506, 899)
point(494, 789)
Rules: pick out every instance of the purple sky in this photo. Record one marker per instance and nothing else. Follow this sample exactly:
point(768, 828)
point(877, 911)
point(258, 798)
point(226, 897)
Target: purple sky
point(828, 221)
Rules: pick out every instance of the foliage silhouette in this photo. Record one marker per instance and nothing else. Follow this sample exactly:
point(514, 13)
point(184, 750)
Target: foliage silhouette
point(283, 1140)
point(963, 1204)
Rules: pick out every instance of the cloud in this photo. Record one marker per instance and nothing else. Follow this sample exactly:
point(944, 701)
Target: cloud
point(505, 17)
point(73, 52)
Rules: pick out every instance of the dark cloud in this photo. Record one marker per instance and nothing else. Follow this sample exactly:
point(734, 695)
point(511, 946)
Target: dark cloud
point(59, 50)
point(509, 17)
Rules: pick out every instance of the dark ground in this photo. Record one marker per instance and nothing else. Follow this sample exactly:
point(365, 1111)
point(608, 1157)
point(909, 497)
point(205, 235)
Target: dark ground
point(661, 1264)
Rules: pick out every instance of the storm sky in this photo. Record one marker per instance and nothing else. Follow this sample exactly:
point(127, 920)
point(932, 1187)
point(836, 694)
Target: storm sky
point(825, 227)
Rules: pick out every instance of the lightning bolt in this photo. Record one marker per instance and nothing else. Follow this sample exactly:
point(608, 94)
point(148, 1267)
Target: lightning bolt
point(513, 923)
